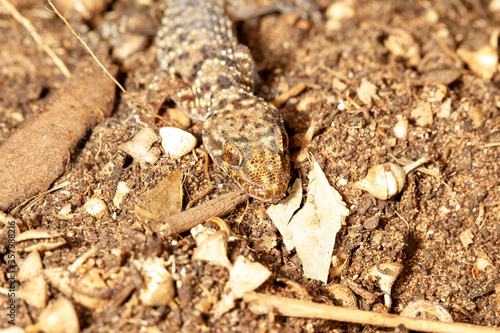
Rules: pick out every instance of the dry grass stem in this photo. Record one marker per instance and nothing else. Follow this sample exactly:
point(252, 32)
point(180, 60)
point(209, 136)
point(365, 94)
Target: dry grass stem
point(38, 39)
point(79, 37)
point(263, 304)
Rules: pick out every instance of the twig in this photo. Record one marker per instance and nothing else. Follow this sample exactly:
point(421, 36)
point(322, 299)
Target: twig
point(369, 297)
point(38, 39)
point(262, 304)
point(192, 217)
point(292, 92)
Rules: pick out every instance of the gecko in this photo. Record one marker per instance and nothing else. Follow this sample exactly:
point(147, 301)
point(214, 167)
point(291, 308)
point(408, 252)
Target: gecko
point(211, 76)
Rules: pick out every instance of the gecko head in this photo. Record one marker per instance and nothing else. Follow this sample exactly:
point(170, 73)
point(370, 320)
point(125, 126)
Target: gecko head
point(251, 145)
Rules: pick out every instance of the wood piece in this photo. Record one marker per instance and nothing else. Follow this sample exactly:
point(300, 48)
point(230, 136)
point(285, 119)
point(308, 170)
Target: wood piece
point(36, 155)
point(190, 218)
point(261, 304)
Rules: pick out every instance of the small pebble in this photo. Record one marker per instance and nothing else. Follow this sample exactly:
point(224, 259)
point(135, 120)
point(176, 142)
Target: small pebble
point(401, 127)
point(59, 317)
point(65, 210)
point(96, 207)
point(179, 118)
point(177, 142)
point(422, 115)
point(121, 190)
point(338, 12)
point(371, 223)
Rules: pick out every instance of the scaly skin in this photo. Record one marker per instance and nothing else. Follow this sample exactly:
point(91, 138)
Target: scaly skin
point(210, 77)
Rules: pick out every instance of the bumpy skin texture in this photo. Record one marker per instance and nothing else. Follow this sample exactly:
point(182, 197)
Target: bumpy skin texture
point(210, 77)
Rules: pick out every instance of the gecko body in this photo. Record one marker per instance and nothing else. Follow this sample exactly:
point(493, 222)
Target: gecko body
point(210, 76)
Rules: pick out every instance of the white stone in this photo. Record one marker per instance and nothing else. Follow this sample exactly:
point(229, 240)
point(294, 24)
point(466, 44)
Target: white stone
point(401, 127)
point(177, 142)
point(96, 207)
point(121, 190)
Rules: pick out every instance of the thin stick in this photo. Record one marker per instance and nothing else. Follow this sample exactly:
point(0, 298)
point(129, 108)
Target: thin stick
point(262, 304)
point(32, 30)
point(192, 217)
point(79, 37)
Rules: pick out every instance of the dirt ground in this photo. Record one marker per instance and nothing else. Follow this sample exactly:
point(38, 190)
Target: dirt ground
point(443, 228)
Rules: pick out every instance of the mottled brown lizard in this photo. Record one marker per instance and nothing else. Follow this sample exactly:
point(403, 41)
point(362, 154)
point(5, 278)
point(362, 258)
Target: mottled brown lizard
point(210, 76)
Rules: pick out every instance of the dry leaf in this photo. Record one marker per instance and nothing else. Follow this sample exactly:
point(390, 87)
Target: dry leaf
point(211, 247)
point(59, 317)
point(315, 226)
point(164, 200)
point(466, 237)
point(478, 116)
point(282, 213)
point(31, 267)
point(140, 147)
point(245, 276)
point(34, 292)
point(445, 109)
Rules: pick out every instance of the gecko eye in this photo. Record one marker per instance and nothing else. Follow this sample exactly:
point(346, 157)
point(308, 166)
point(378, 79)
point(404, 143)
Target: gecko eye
point(232, 154)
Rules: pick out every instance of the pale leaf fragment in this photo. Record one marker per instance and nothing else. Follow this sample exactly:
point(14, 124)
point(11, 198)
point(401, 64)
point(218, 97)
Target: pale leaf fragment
point(164, 200)
point(140, 147)
point(482, 62)
point(422, 115)
point(282, 213)
point(367, 92)
point(445, 109)
point(466, 237)
point(245, 276)
point(211, 247)
point(315, 226)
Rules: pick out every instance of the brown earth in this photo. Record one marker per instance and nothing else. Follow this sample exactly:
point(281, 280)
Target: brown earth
point(444, 228)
